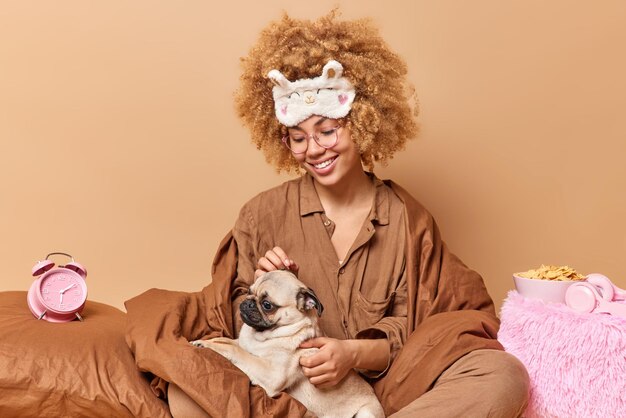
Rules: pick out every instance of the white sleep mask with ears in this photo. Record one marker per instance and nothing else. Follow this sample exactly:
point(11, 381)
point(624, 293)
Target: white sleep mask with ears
point(329, 95)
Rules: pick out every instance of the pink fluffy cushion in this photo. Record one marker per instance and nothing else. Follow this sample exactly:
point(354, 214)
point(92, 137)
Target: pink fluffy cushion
point(576, 362)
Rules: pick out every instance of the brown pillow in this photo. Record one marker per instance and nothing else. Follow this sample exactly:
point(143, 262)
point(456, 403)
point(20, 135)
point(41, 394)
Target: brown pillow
point(69, 369)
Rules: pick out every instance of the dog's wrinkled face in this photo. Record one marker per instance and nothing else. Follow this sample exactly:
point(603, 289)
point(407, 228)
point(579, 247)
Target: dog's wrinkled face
point(276, 299)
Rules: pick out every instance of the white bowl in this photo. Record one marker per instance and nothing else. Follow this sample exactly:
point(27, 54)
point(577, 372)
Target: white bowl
point(551, 291)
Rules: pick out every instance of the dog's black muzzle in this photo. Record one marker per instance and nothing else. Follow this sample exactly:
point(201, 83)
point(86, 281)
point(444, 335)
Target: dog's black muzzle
point(251, 316)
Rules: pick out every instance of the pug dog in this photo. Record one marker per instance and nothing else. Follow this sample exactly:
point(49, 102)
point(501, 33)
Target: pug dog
point(280, 313)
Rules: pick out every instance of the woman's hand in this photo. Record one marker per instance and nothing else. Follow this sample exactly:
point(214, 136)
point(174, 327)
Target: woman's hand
point(275, 259)
point(331, 363)
point(336, 358)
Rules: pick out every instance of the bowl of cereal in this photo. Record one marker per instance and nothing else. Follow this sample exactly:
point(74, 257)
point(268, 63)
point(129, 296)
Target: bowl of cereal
point(547, 283)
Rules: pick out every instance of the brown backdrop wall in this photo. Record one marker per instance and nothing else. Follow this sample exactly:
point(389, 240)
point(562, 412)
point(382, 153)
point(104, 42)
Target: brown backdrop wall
point(119, 143)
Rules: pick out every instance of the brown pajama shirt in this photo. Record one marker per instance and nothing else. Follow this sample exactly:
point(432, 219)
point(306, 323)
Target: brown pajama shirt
point(364, 295)
point(399, 280)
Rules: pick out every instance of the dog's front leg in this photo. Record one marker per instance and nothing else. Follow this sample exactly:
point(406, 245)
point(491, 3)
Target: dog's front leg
point(221, 345)
point(261, 372)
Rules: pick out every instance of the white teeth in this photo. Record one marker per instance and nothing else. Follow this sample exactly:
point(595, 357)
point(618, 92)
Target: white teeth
point(324, 164)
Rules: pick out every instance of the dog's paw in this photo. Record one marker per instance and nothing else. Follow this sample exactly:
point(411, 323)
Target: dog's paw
point(221, 345)
point(200, 343)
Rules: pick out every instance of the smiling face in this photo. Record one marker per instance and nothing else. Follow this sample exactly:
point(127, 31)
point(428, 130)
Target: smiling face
point(277, 299)
point(332, 166)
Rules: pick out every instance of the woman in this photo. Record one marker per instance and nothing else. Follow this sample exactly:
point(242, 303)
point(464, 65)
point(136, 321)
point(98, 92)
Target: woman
point(327, 98)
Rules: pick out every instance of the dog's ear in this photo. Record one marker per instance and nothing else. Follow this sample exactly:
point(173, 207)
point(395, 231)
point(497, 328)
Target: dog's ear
point(307, 299)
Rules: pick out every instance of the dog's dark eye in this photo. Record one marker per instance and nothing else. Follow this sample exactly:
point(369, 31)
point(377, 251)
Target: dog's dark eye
point(266, 305)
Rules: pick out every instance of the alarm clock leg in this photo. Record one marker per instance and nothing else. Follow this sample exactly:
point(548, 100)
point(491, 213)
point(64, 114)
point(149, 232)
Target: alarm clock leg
point(80, 318)
point(42, 314)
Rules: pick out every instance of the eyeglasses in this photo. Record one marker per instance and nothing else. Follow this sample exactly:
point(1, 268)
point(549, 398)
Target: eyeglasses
point(298, 142)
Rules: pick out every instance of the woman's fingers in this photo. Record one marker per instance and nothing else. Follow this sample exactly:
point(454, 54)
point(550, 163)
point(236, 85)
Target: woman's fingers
point(321, 376)
point(275, 259)
point(324, 381)
point(314, 361)
point(265, 264)
point(280, 254)
point(317, 370)
point(281, 259)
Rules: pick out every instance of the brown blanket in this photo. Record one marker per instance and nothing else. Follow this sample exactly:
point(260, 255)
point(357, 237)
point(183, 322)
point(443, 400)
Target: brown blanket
point(449, 314)
point(75, 369)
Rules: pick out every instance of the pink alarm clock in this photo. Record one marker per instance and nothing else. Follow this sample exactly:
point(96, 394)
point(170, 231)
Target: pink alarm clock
point(59, 294)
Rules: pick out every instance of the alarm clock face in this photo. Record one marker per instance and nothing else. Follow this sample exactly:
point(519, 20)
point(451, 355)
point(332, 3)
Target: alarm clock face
point(62, 290)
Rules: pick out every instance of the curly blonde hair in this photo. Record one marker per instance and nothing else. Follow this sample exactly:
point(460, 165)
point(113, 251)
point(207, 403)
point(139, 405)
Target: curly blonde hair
point(382, 118)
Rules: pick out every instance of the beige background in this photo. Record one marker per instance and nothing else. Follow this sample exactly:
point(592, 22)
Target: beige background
point(119, 143)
